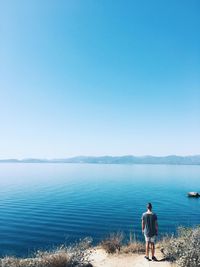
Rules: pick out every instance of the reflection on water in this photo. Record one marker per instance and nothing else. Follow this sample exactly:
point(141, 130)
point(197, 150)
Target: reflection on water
point(44, 205)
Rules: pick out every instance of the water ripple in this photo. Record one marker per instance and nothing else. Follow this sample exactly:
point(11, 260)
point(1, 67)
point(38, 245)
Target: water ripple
point(40, 208)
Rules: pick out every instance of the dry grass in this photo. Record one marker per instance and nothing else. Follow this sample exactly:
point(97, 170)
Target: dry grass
point(59, 259)
point(113, 243)
point(185, 248)
point(62, 257)
point(134, 247)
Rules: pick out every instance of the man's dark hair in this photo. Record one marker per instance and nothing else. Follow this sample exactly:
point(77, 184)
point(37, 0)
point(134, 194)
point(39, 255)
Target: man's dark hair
point(149, 206)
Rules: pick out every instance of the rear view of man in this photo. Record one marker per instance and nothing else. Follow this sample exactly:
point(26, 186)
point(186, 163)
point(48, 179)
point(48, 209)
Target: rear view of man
point(150, 231)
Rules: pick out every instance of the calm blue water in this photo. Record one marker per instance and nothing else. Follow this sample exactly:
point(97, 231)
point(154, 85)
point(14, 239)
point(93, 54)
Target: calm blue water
point(45, 205)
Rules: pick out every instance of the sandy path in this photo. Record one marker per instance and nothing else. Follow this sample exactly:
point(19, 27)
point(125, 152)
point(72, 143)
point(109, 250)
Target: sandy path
point(99, 258)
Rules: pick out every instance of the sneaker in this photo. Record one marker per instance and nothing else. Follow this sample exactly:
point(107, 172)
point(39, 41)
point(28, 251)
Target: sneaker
point(154, 258)
point(147, 258)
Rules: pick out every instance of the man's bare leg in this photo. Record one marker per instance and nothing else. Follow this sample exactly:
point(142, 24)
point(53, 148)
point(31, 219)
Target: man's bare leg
point(153, 252)
point(147, 249)
point(153, 249)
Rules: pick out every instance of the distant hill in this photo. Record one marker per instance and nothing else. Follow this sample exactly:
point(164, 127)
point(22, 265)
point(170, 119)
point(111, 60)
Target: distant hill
point(172, 159)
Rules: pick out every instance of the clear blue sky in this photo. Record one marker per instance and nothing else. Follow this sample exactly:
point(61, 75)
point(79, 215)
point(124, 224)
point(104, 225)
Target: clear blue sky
point(96, 77)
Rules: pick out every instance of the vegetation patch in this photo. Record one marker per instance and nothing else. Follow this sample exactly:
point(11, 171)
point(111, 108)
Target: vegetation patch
point(134, 247)
point(75, 256)
point(185, 248)
point(113, 243)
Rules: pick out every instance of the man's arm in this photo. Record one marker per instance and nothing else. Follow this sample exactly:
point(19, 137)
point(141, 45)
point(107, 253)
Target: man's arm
point(156, 225)
point(143, 225)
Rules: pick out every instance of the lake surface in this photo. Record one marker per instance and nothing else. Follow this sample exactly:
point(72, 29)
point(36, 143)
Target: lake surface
point(45, 205)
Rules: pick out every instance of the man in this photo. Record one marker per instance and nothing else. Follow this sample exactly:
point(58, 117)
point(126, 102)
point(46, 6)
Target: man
point(150, 231)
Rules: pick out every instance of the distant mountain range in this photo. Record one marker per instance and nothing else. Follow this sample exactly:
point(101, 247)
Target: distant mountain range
point(172, 159)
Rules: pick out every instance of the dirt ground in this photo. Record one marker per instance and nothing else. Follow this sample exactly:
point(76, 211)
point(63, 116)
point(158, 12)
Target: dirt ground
point(99, 258)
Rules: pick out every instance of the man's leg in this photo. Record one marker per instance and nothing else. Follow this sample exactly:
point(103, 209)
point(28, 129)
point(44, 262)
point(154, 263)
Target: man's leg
point(147, 248)
point(152, 249)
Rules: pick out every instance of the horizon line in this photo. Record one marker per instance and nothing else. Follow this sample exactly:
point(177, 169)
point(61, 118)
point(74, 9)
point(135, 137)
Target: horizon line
point(99, 156)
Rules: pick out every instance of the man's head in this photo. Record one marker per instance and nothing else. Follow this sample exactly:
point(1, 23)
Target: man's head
point(149, 206)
